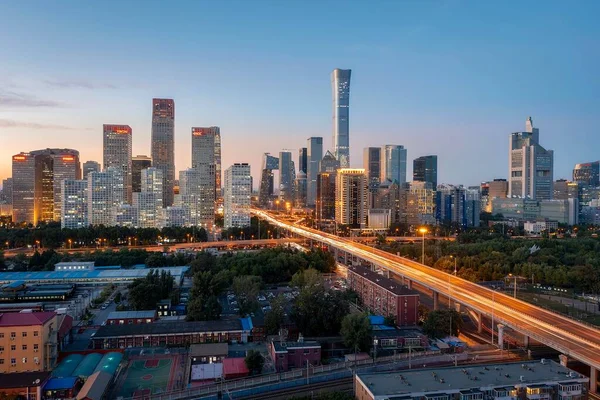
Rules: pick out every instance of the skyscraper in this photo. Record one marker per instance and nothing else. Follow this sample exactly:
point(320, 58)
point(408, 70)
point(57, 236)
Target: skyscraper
point(7, 185)
point(117, 153)
point(65, 165)
point(372, 166)
point(197, 197)
point(340, 85)
point(351, 197)
point(265, 190)
point(163, 144)
point(73, 213)
point(314, 154)
point(587, 173)
point(287, 177)
point(148, 201)
point(238, 189)
point(425, 170)
point(531, 167)
point(90, 166)
point(302, 159)
point(329, 163)
point(138, 163)
point(104, 196)
point(325, 204)
point(393, 163)
point(206, 151)
point(23, 192)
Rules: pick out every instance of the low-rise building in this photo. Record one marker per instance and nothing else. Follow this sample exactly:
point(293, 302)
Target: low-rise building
point(384, 296)
point(131, 317)
point(287, 355)
point(75, 266)
point(545, 380)
point(28, 341)
point(24, 385)
point(162, 334)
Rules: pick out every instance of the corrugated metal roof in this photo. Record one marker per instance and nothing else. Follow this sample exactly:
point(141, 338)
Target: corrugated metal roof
point(26, 318)
point(7, 277)
point(66, 367)
point(95, 386)
point(88, 365)
point(109, 363)
point(143, 314)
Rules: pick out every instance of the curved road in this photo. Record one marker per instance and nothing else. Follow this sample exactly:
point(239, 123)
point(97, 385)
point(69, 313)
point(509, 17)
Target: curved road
point(568, 336)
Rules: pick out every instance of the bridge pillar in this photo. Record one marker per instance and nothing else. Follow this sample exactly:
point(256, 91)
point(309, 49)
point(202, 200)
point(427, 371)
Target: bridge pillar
point(436, 298)
point(500, 336)
point(526, 341)
point(479, 323)
point(408, 283)
point(563, 360)
point(593, 379)
point(457, 307)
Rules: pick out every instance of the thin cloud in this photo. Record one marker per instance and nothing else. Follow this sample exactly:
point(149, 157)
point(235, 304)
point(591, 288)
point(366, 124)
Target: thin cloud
point(14, 99)
point(9, 123)
point(67, 84)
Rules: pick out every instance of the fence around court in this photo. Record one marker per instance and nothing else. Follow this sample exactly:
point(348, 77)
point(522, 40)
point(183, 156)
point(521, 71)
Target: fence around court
point(284, 380)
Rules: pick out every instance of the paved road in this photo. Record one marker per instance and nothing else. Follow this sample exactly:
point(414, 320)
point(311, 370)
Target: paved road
point(559, 332)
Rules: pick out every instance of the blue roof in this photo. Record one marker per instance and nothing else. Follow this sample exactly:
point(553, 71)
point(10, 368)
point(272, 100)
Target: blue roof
point(246, 323)
point(376, 319)
point(66, 367)
point(139, 266)
point(14, 285)
point(61, 383)
point(7, 277)
point(107, 267)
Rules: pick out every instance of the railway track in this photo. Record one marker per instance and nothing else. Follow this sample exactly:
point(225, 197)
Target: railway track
point(338, 385)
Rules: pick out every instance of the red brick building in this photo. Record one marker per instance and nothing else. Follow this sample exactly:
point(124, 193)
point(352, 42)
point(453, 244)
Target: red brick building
point(384, 296)
point(287, 355)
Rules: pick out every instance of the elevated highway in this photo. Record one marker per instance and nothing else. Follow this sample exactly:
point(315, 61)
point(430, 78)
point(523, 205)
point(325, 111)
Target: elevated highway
point(570, 337)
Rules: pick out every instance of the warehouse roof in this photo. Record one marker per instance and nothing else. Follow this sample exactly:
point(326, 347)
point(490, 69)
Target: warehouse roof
point(143, 314)
point(110, 331)
point(75, 276)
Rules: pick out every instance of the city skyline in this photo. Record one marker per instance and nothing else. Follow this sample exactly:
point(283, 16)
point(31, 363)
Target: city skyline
point(398, 92)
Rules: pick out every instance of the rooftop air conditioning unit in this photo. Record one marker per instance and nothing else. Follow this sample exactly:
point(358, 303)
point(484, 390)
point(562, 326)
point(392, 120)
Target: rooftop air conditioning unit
point(521, 378)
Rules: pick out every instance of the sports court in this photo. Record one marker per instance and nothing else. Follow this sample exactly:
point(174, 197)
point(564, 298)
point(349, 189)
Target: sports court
point(149, 374)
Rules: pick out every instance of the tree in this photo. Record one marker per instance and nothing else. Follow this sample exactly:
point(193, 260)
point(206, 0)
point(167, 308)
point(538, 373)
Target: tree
point(356, 331)
point(275, 317)
point(443, 323)
point(246, 289)
point(390, 320)
point(118, 297)
point(254, 361)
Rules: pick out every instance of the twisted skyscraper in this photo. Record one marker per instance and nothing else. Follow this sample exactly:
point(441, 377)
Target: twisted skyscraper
point(340, 85)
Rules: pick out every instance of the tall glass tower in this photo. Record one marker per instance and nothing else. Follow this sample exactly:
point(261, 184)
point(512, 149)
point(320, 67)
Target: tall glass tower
point(163, 144)
point(340, 85)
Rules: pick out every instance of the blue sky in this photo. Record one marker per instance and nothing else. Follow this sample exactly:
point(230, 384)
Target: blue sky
point(450, 78)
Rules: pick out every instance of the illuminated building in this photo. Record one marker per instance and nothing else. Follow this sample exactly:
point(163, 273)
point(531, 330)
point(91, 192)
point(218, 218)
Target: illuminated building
point(325, 204)
point(174, 216)
point(340, 85)
point(351, 197)
point(197, 197)
point(105, 194)
point(23, 198)
point(300, 189)
point(74, 204)
point(265, 191)
point(303, 159)
point(117, 153)
point(425, 170)
point(238, 189)
point(90, 166)
point(138, 163)
point(372, 166)
point(329, 163)
point(127, 215)
point(163, 144)
point(587, 173)
point(206, 161)
point(393, 164)
point(6, 194)
point(314, 154)
point(531, 167)
point(42, 172)
point(149, 201)
point(421, 203)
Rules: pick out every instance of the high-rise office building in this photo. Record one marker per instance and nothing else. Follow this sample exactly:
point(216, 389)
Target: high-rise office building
point(149, 201)
point(300, 186)
point(302, 159)
point(393, 163)
point(472, 206)
point(329, 163)
point(425, 170)
point(104, 196)
point(498, 188)
point(238, 189)
point(138, 163)
point(265, 190)
point(287, 177)
point(6, 194)
point(351, 197)
point(73, 213)
point(325, 204)
point(118, 152)
point(564, 190)
point(531, 167)
point(372, 167)
point(23, 191)
point(199, 198)
point(340, 85)
point(314, 154)
point(421, 203)
point(43, 171)
point(450, 205)
point(127, 214)
point(587, 173)
point(90, 166)
point(163, 144)
point(206, 151)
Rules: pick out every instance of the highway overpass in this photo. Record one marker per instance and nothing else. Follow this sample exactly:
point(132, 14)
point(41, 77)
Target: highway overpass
point(572, 338)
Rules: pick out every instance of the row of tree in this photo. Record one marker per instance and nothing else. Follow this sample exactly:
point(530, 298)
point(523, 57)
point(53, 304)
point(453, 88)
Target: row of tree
point(145, 293)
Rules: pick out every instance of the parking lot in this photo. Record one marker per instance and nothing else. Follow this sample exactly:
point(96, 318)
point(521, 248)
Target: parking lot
point(230, 304)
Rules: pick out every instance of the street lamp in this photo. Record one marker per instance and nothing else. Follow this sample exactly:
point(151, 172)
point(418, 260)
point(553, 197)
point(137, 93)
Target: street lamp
point(423, 231)
point(70, 244)
point(515, 287)
point(455, 259)
point(375, 343)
